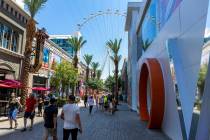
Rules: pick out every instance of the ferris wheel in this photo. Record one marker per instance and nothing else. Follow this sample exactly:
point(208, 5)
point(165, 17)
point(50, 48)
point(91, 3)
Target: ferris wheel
point(106, 29)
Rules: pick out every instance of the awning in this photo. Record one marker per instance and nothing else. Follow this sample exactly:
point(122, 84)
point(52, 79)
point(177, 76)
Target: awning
point(4, 86)
point(39, 88)
point(10, 83)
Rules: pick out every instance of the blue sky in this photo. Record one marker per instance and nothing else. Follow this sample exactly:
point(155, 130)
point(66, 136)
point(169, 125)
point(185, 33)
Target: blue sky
point(62, 17)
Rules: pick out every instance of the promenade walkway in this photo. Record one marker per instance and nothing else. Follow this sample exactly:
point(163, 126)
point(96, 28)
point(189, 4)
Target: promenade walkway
point(123, 125)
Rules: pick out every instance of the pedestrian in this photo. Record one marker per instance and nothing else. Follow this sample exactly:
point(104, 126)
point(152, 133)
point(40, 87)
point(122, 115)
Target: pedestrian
point(50, 120)
point(106, 104)
point(90, 103)
point(97, 102)
point(13, 110)
point(85, 100)
point(101, 102)
point(31, 104)
point(71, 116)
point(40, 106)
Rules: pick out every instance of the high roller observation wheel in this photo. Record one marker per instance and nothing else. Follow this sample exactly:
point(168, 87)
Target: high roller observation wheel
point(94, 16)
point(100, 13)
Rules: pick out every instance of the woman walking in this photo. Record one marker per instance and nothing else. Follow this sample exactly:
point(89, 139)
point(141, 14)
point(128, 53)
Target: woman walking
point(13, 110)
point(40, 106)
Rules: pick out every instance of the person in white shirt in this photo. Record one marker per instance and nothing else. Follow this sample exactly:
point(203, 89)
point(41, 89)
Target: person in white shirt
point(90, 103)
point(71, 116)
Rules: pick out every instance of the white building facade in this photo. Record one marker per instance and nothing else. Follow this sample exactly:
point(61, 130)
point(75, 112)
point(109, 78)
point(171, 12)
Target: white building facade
point(162, 33)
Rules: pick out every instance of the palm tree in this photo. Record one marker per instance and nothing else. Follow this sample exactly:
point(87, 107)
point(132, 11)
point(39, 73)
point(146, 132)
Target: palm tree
point(95, 66)
point(115, 47)
point(33, 7)
point(88, 58)
point(99, 73)
point(77, 44)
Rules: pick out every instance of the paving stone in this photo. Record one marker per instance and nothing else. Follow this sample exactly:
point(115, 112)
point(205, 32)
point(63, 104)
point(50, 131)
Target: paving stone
point(123, 125)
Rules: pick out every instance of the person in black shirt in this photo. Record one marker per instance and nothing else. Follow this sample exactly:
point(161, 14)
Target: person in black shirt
point(85, 100)
point(50, 120)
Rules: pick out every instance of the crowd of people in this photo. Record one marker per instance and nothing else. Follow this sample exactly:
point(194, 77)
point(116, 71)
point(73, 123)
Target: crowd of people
point(103, 102)
point(70, 112)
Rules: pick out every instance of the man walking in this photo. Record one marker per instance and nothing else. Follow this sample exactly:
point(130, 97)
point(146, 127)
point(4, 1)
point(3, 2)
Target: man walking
point(71, 116)
point(85, 100)
point(50, 120)
point(91, 104)
point(30, 111)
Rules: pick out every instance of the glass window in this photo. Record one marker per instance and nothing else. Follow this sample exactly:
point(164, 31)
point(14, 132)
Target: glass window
point(157, 15)
point(14, 45)
point(1, 34)
point(6, 37)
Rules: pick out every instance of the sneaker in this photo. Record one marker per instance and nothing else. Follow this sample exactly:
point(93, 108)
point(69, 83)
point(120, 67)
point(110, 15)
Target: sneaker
point(10, 128)
point(23, 130)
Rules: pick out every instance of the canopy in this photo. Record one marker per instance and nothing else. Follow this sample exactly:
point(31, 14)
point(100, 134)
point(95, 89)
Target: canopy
point(4, 86)
point(40, 88)
point(10, 84)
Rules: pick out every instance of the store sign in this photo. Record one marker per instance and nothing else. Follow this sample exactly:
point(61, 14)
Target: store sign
point(45, 58)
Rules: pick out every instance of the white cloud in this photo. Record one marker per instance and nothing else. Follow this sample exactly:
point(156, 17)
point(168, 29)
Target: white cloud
point(207, 32)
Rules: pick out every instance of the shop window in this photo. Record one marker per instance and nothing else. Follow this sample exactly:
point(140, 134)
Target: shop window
point(11, 10)
point(2, 3)
point(1, 34)
point(14, 45)
point(7, 7)
point(6, 37)
point(19, 16)
point(15, 13)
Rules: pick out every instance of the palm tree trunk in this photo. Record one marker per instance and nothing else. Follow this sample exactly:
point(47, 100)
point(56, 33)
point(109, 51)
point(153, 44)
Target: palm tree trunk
point(75, 61)
point(87, 78)
point(30, 34)
point(116, 81)
point(87, 74)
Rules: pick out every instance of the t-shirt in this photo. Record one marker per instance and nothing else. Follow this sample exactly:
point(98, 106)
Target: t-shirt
point(30, 103)
point(90, 101)
point(13, 104)
point(49, 112)
point(70, 111)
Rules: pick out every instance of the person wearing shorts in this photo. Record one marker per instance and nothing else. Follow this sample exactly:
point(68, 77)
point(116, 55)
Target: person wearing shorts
point(30, 111)
point(13, 110)
point(50, 120)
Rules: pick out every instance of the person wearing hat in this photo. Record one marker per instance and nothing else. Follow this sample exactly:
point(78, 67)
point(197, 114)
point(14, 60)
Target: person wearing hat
point(13, 110)
point(31, 104)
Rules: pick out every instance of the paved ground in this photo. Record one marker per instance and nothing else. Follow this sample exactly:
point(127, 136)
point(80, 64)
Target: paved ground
point(124, 125)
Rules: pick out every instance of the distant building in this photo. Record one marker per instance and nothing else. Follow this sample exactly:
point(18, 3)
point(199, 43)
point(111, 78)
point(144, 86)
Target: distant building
point(52, 55)
point(62, 41)
point(205, 52)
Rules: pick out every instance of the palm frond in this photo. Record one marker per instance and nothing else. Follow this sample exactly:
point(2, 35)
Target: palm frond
point(34, 6)
point(88, 58)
